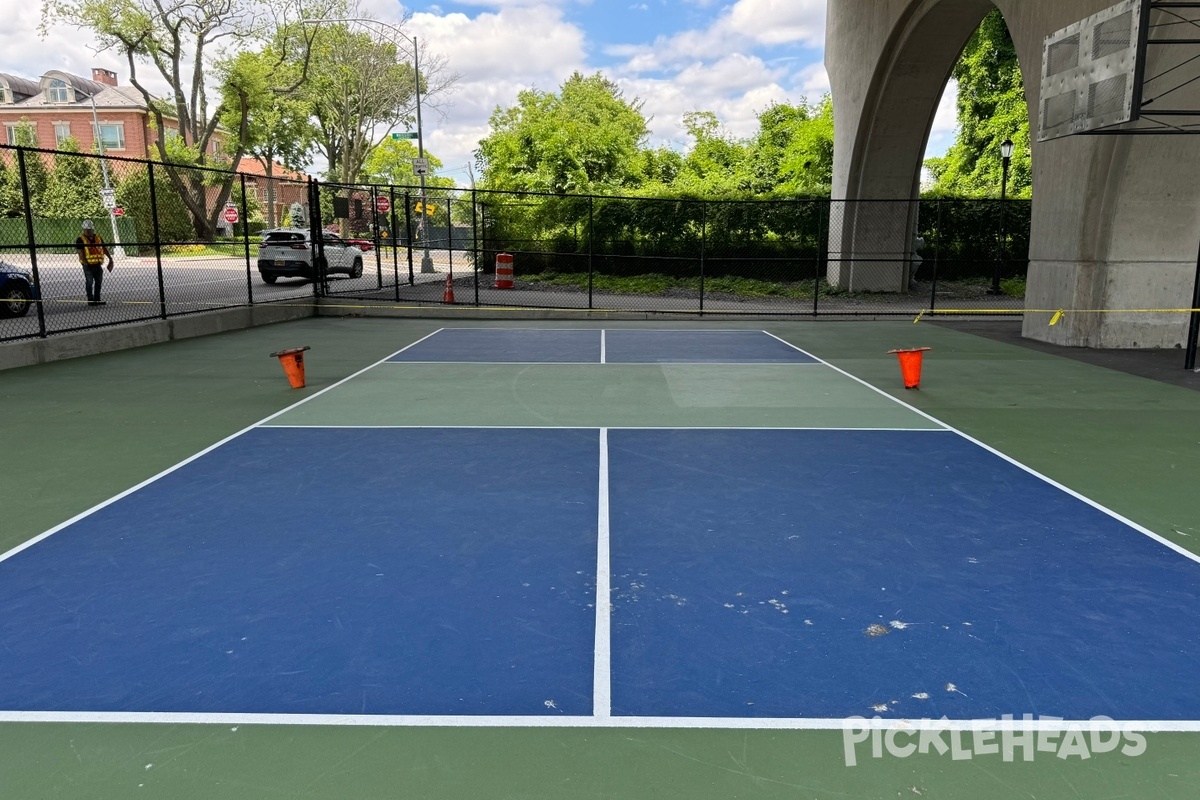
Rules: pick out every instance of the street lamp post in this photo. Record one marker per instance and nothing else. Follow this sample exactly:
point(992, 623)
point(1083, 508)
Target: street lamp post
point(1006, 151)
point(108, 192)
point(426, 260)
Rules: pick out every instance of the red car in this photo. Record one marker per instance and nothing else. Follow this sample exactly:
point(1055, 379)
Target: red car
point(366, 245)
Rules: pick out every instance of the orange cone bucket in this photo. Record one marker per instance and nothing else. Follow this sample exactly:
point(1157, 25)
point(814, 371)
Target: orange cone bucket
point(448, 293)
point(292, 360)
point(910, 366)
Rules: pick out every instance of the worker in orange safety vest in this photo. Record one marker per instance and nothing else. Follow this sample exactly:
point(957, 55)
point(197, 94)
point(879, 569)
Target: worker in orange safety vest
point(92, 251)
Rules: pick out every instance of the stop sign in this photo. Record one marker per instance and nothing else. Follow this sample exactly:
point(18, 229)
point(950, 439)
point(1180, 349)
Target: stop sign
point(231, 214)
point(118, 212)
point(383, 204)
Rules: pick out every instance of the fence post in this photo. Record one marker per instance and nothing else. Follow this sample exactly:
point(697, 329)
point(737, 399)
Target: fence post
point(33, 264)
point(824, 217)
point(475, 239)
point(395, 242)
point(316, 233)
point(703, 248)
point(591, 247)
point(162, 289)
point(375, 219)
point(937, 250)
point(449, 237)
point(1194, 325)
point(408, 235)
point(246, 239)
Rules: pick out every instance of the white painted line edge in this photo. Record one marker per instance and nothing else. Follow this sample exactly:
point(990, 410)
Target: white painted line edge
point(602, 659)
point(544, 721)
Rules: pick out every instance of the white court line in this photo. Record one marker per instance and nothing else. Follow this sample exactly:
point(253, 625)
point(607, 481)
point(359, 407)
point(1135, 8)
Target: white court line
point(596, 427)
point(603, 360)
point(602, 660)
point(603, 346)
point(692, 723)
point(30, 543)
point(1139, 528)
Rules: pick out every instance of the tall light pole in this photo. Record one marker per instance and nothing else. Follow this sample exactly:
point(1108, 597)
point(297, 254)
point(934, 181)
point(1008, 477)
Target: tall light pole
point(1006, 151)
point(426, 260)
point(107, 194)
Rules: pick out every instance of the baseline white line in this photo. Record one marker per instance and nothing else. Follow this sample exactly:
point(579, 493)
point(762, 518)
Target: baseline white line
point(1087, 500)
point(261, 423)
point(604, 357)
point(692, 723)
point(602, 670)
point(609, 427)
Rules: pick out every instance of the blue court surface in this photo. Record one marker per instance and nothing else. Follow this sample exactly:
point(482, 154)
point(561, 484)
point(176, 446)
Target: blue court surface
point(600, 575)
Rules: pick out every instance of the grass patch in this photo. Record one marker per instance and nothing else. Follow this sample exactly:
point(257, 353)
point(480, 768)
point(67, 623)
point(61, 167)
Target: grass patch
point(657, 284)
point(1013, 287)
point(221, 249)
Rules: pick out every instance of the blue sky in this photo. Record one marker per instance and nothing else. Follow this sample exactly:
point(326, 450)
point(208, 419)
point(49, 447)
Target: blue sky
point(732, 57)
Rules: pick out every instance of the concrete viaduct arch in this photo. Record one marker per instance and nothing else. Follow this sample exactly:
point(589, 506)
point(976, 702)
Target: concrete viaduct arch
point(1116, 219)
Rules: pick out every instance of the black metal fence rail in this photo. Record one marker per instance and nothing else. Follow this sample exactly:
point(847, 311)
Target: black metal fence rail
point(186, 239)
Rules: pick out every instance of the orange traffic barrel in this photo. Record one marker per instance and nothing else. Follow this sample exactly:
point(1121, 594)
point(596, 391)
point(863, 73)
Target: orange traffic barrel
point(504, 271)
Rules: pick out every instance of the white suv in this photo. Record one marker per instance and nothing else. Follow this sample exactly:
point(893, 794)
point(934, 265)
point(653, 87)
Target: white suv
point(287, 253)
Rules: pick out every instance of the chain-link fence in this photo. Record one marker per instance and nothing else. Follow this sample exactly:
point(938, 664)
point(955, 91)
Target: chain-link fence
point(188, 239)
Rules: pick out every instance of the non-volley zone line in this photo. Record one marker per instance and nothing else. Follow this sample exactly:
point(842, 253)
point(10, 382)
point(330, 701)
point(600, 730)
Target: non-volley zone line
point(601, 346)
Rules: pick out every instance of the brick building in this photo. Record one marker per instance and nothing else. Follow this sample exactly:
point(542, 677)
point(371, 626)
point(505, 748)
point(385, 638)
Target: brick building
point(60, 105)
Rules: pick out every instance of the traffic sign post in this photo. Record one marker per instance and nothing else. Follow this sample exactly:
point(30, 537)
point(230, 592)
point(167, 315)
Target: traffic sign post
point(109, 198)
point(382, 204)
point(231, 214)
point(420, 166)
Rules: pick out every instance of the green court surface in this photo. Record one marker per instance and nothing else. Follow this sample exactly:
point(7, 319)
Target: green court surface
point(78, 432)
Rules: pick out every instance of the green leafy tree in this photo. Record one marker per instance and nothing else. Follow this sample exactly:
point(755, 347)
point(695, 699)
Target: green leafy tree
point(179, 39)
point(793, 150)
point(37, 176)
point(278, 126)
point(174, 218)
point(390, 162)
point(716, 164)
point(587, 138)
point(991, 108)
point(73, 187)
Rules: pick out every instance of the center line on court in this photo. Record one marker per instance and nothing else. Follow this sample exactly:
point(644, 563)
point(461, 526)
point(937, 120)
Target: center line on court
point(602, 671)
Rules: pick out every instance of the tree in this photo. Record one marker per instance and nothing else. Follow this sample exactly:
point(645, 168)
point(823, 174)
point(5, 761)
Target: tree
point(716, 162)
point(278, 125)
point(793, 151)
point(360, 87)
point(390, 162)
point(586, 139)
point(73, 187)
point(991, 108)
point(12, 193)
point(178, 38)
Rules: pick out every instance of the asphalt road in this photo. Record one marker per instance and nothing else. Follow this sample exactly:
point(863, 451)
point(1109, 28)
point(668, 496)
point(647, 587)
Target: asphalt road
point(189, 284)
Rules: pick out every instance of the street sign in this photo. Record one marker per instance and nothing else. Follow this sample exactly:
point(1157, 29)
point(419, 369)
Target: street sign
point(420, 166)
point(118, 211)
point(406, 135)
point(231, 214)
point(382, 204)
point(109, 198)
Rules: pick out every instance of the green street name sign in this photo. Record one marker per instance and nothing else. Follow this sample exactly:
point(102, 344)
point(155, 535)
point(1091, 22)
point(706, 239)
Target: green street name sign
point(409, 135)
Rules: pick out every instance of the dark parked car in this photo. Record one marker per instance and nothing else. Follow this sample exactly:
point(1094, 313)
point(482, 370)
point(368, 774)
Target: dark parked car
point(287, 253)
point(16, 291)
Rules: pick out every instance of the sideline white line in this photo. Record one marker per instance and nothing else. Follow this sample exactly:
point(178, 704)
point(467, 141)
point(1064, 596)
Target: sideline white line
point(602, 671)
point(261, 423)
point(603, 346)
point(686, 723)
point(1103, 509)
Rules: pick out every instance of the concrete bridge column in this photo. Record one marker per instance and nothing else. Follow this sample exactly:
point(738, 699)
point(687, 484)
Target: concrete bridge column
point(1116, 220)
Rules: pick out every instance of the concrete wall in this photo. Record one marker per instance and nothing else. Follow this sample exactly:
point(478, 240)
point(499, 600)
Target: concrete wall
point(1116, 220)
point(27, 352)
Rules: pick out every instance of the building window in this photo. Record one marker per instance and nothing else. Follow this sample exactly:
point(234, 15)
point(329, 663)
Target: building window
point(59, 92)
point(13, 130)
point(62, 132)
point(112, 135)
point(5, 95)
